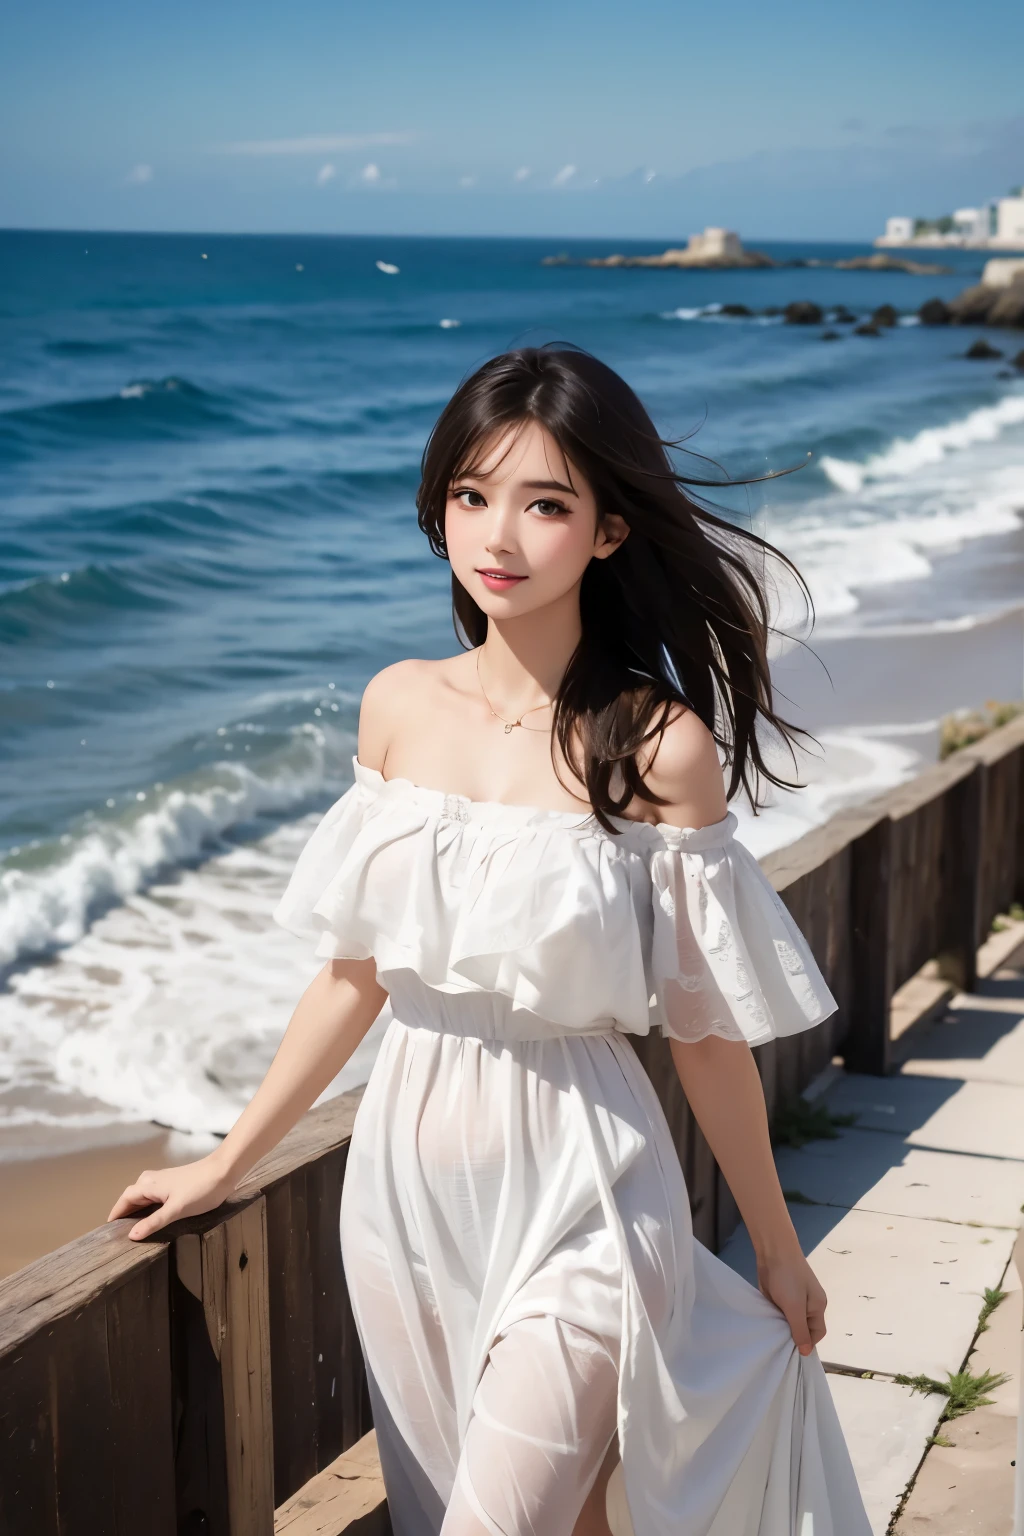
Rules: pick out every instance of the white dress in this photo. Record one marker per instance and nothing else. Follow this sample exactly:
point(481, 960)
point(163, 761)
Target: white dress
point(515, 1226)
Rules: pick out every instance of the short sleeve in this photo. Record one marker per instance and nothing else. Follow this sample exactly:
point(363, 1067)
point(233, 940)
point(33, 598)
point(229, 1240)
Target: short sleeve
point(316, 868)
point(727, 957)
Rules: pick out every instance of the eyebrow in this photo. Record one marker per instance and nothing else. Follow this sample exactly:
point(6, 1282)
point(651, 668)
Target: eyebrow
point(548, 485)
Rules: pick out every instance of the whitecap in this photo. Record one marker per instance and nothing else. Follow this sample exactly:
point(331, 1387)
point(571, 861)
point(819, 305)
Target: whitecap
point(904, 456)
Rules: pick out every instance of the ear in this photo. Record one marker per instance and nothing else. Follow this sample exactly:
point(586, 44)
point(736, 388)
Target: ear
point(612, 531)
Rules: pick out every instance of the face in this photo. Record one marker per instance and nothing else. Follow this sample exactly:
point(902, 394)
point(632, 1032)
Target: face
point(523, 527)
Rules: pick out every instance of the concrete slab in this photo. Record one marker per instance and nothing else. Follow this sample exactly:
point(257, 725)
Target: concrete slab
point(949, 1116)
point(887, 1429)
point(904, 1293)
point(982, 1042)
point(878, 1172)
point(967, 1486)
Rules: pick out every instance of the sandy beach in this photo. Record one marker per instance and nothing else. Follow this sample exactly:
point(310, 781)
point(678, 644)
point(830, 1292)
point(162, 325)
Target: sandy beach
point(49, 1200)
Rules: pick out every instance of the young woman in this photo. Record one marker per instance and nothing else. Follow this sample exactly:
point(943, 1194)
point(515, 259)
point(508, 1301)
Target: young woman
point(536, 861)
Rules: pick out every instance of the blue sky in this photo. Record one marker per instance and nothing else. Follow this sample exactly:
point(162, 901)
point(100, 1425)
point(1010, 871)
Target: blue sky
point(583, 117)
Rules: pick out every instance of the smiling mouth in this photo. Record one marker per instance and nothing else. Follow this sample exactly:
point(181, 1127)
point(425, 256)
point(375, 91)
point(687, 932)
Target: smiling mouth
point(508, 576)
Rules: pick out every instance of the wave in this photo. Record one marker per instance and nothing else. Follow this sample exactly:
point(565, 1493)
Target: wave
point(905, 456)
point(168, 407)
point(897, 537)
point(48, 899)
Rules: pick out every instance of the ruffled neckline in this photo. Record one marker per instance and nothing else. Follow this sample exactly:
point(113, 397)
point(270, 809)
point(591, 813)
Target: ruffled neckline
point(497, 813)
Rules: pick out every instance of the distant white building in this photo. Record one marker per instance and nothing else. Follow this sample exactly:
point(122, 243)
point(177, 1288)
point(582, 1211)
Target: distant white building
point(715, 245)
point(898, 231)
point(1006, 221)
point(971, 225)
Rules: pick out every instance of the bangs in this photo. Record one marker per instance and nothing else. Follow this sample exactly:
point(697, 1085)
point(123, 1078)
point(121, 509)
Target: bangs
point(477, 460)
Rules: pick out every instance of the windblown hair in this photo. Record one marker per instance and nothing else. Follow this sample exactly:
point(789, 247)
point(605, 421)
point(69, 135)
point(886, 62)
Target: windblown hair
point(679, 614)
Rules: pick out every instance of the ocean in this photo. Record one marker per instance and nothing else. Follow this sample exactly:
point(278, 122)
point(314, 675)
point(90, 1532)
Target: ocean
point(208, 455)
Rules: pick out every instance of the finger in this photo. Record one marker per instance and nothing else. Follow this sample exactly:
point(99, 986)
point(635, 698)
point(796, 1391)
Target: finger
point(796, 1317)
point(150, 1224)
point(132, 1198)
point(816, 1325)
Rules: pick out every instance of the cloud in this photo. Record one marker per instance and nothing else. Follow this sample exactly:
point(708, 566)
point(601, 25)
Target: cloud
point(139, 175)
point(325, 174)
point(370, 174)
point(522, 174)
point(313, 144)
point(649, 177)
point(564, 176)
point(467, 181)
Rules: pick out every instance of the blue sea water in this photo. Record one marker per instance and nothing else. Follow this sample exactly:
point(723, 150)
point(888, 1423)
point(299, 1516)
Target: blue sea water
point(209, 450)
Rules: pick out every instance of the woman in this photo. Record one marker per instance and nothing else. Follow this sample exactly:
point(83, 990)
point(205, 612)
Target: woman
point(535, 861)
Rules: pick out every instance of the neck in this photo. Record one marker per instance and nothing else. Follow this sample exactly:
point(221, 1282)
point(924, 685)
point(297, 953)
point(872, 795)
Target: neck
point(524, 659)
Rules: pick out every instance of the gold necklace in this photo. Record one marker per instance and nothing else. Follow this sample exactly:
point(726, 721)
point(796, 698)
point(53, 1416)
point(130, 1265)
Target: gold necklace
point(509, 725)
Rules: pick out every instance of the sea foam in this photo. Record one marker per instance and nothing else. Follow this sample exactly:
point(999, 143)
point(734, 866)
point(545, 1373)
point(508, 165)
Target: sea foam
point(906, 455)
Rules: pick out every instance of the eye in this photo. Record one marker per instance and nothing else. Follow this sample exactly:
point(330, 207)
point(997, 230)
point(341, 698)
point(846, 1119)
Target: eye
point(548, 508)
point(468, 497)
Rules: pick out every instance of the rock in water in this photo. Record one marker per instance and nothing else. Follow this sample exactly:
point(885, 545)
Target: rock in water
point(1018, 361)
point(972, 306)
point(1008, 308)
point(867, 329)
point(803, 312)
point(735, 309)
point(884, 315)
point(830, 336)
point(982, 351)
point(934, 312)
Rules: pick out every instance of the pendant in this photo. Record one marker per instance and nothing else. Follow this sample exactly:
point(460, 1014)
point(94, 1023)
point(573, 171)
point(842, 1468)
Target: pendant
point(511, 725)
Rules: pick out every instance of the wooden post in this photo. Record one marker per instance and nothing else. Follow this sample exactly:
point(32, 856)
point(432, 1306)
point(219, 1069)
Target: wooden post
point(867, 1040)
point(86, 1441)
point(961, 876)
point(225, 1470)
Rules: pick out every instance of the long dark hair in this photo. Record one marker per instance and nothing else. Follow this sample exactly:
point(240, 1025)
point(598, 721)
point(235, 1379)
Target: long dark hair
point(678, 614)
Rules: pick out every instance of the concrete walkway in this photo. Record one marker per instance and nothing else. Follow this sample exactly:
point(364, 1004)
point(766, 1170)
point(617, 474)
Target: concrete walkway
point(907, 1217)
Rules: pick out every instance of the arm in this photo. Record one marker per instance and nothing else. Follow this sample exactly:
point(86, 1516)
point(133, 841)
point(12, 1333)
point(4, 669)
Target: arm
point(332, 1016)
point(719, 1077)
point(723, 1089)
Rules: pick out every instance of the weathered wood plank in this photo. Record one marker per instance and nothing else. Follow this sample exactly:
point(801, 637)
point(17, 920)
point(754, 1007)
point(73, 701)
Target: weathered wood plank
point(235, 1304)
point(866, 1047)
point(142, 1438)
point(68, 1279)
point(346, 1497)
point(28, 1474)
point(221, 1341)
point(959, 892)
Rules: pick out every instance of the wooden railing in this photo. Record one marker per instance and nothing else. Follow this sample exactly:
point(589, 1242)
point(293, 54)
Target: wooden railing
point(209, 1382)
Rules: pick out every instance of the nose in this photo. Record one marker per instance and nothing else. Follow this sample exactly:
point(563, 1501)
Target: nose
point(501, 530)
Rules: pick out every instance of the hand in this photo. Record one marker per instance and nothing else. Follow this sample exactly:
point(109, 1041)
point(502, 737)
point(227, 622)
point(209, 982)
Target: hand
point(178, 1192)
point(794, 1288)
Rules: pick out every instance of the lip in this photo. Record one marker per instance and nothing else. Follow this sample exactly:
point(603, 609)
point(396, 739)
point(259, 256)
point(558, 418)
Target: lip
point(499, 581)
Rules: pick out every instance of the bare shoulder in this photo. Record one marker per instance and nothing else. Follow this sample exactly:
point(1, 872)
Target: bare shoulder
point(686, 772)
point(392, 699)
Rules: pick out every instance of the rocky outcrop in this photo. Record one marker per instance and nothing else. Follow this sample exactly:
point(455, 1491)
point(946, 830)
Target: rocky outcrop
point(981, 305)
point(677, 258)
point(880, 262)
point(803, 312)
point(982, 351)
point(1018, 361)
point(867, 329)
point(885, 315)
